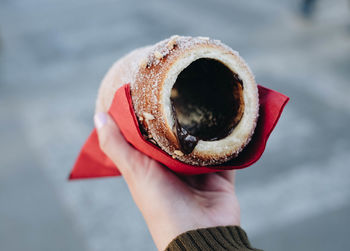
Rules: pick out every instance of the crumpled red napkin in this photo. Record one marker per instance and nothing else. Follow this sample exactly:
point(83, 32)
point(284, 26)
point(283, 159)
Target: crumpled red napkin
point(93, 163)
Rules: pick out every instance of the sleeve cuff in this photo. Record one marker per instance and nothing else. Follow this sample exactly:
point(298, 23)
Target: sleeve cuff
point(215, 238)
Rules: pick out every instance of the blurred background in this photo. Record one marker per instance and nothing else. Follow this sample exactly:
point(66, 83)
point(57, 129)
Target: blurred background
point(53, 55)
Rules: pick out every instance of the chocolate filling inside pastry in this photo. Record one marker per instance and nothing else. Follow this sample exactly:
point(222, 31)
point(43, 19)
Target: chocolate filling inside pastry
point(207, 102)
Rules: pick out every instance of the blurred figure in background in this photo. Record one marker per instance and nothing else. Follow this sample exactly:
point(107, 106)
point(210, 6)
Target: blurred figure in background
point(308, 7)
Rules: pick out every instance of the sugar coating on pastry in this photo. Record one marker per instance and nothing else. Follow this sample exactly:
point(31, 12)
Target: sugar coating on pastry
point(195, 97)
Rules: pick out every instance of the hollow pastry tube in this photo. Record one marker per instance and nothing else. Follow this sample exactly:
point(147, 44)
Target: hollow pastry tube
point(194, 97)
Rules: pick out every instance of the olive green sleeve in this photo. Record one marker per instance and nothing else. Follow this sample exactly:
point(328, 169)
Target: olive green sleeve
point(216, 238)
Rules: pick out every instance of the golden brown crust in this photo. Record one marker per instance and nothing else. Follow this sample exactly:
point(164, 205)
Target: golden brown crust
point(148, 69)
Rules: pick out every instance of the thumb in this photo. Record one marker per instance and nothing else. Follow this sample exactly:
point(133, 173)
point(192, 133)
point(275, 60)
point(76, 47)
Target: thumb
point(113, 144)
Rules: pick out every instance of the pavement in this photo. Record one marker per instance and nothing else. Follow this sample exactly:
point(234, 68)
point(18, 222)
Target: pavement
point(53, 55)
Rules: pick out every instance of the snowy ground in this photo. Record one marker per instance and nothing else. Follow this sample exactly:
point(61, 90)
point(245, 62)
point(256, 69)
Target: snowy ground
point(53, 55)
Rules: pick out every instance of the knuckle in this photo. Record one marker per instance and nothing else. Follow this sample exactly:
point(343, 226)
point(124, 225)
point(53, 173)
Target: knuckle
point(135, 165)
point(105, 144)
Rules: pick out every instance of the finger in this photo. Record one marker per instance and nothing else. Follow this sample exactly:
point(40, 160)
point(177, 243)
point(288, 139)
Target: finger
point(228, 175)
point(140, 172)
point(196, 181)
point(113, 144)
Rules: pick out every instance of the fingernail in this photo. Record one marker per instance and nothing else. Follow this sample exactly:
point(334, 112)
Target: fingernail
point(100, 119)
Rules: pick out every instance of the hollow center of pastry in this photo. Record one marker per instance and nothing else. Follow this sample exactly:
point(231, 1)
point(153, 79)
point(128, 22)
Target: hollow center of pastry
point(207, 100)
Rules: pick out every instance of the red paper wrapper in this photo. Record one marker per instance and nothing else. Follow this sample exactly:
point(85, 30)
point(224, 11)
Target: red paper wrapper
point(93, 163)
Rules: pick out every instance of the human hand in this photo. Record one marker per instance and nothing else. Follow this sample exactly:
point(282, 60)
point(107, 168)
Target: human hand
point(171, 204)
